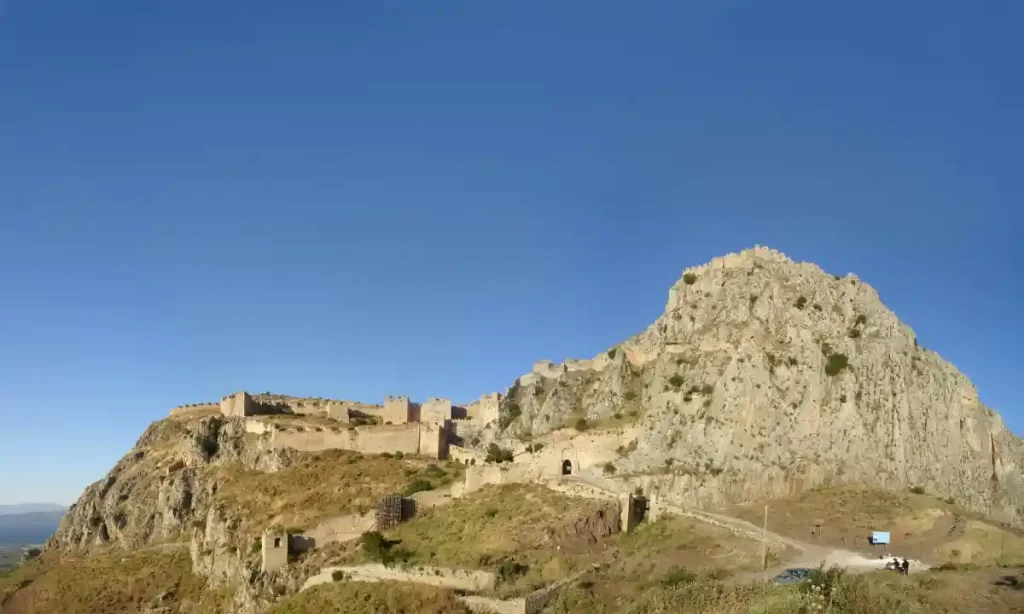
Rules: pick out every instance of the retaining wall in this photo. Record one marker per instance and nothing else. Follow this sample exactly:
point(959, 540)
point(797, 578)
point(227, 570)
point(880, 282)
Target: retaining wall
point(403, 438)
point(460, 579)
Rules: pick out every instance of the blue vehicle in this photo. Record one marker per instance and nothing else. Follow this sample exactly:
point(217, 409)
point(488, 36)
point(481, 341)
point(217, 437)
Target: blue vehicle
point(792, 576)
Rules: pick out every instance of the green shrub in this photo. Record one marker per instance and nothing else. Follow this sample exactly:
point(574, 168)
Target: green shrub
point(496, 454)
point(508, 571)
point(609, 468)
point(917, 490)
point(377, 548)
point(677, 576)
point(854, 333)
point(337, 575)
point(707, 389)
point(792, 361)
point(399, 454)
point(510, 416)
point(417, 485)
point(611, 352)
point(386, 454)
point(676, 381)
point(801, 302)
point(629, 395)
point(581, 425)
point(689, 279)
point(836, 363)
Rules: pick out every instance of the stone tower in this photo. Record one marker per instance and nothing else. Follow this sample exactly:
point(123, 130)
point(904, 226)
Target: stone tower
point(275, 550)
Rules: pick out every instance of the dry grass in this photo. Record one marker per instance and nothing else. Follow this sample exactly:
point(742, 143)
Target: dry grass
point(530, 525)
point(921, 526)
point(111, 582)
point(552, 535)
point(940, 593)
point(364, 598)
point(984, 545)
point(653, 555)
point(492, 524)
point(318, 486)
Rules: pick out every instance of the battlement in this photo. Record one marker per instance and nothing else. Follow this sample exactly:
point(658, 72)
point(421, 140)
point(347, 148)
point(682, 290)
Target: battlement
point(239, 404)
point(397, 410)
point(436, 410)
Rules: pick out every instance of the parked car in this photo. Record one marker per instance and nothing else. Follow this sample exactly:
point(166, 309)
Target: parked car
point(792, 576)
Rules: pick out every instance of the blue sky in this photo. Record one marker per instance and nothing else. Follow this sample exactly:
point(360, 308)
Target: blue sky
point(353, 199)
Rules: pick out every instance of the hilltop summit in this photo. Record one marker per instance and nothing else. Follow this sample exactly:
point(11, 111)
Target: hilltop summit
point(763, 377)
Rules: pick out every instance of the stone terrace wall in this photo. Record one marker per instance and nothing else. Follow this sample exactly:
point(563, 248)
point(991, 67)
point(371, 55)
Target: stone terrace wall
point(459, 579)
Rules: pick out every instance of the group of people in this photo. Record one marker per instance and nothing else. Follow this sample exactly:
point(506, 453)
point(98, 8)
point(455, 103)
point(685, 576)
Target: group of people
point(896, 565)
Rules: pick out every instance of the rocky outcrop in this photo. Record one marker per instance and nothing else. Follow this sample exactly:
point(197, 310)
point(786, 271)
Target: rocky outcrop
point(763, 377)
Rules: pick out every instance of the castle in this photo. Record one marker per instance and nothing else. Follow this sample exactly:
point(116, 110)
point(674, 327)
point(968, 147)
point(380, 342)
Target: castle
point(397, 425)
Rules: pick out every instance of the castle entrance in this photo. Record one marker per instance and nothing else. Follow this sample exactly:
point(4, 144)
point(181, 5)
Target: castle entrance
point(570, 463)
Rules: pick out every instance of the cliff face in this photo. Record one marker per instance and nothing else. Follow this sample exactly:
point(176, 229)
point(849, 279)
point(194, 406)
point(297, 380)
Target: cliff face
point(165, 492)
point(764, 376)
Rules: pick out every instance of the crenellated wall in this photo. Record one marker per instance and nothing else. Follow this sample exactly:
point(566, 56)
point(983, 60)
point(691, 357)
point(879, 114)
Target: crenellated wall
point(397, 410)
point(239, 404)
point(185, 410)
point(436, 410)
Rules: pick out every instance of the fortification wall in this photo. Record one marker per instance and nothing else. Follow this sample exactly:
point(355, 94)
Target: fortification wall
point(197, 408)
point(465, 455)
point(434, 439)
point(338, 410)
point(239, 404)
point(488, 408)
point(257, 427)
point(404, 438)
point(546, 368)
point(341, 528)
point(436, 410)
point(459, 579)
point(478, 476)
point(397, 410)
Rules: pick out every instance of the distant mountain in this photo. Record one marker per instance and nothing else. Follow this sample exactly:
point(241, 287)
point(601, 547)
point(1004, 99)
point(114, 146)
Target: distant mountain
point(30, 508)
point(28, 528)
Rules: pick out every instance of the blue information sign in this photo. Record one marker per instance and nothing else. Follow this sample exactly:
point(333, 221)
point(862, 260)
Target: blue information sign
point(879, 537)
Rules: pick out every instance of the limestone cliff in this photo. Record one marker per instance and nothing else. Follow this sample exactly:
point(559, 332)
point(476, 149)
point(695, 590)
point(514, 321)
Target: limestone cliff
point(764, 376)
point(164, 491)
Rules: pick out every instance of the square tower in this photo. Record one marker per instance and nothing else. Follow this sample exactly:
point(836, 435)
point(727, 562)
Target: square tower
point(436, 410)
point(239, 404)
point(275, 550)
point(397, 410)
point(489, 409)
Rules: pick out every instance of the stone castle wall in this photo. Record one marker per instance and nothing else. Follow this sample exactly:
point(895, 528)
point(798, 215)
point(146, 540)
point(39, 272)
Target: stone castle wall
point(461, 579)
point(397, 410)
point(436, 410)
point(411, 438)
point(238, 405)
point(185, 410)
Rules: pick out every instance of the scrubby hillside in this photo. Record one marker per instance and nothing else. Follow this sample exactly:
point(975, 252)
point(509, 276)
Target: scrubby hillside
point(763, 377)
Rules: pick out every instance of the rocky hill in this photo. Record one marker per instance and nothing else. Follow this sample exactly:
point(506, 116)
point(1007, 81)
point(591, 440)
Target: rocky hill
point(764, 377)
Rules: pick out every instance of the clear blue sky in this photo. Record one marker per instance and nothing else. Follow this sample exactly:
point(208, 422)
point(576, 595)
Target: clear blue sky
point(353, 199)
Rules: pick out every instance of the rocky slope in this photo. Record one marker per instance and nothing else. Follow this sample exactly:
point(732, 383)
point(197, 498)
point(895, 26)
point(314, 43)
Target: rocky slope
point(165, 491)
point(763, 377)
